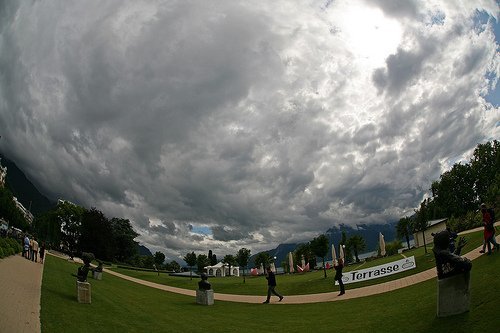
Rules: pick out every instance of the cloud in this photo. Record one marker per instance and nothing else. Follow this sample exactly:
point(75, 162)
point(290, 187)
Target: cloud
point(265, 123)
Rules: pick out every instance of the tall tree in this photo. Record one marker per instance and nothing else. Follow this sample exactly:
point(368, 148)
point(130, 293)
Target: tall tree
point(357, 244)
point(124, 245)
point(421, 222)
point(263, 259)
point(242, 258)
point(70, 219)
point(403, 229)
point(202, 262)
point(96, 234)
point(159, 259)
point(319, 246)
point(304, 251)
point(229, 260)
point(190, 260)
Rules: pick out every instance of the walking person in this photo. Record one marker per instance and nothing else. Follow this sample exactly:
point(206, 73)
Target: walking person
point(26, 248)
point(338, 275)
point(489, 229)
point(35, 251)
point(271, 284)
point(42, 252)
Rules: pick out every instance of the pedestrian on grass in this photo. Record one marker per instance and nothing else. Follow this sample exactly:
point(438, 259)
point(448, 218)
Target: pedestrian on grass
point(271, 285)
point(338, 275)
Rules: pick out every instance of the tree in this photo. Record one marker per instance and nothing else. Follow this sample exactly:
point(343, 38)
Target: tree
point(403, 229)
point(159, 258)
point(70, 219)
point(319, 246)
point(124, 245)
point(202, 262)
point(190, 260)
point(263, 259)
point(96, 234)
point(229, 260)
point(356, 243)
point(173, 266)
point(304, 251)
point(421, 222)
point(242, 258)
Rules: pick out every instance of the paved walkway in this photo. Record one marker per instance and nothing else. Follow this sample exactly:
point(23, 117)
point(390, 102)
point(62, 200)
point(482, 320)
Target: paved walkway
point(20, 290)
point(21, 280)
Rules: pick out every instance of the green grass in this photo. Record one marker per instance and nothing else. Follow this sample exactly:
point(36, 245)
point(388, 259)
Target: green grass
point(122, 306)
point(301, 284)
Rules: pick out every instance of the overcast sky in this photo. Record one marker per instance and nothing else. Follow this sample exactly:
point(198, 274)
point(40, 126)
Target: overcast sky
point(228, 124)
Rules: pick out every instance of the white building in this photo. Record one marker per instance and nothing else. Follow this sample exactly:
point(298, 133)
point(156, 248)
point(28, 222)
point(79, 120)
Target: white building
point(434, 227)
point(222, 269)
point(27, 214)
point(3, 174)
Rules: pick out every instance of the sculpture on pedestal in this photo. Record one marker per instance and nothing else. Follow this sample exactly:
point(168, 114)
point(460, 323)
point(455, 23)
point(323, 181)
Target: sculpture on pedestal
point(448, 263)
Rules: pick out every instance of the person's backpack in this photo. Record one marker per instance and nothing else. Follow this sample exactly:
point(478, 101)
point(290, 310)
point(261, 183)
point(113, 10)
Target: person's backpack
point(491, 211)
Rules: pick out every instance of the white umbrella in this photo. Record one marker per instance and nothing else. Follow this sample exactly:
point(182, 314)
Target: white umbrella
point(381, 242)
point(303, 262)
point(261, 270)
point(334, 255)
point(290, 261)
point(273, 268)
point(341, 252)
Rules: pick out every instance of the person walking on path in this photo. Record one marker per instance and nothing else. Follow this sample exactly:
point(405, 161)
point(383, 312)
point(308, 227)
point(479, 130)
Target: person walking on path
point(271, 284)
point(489, 229)
point(35, 251)
point(26, 248)
point(338, 275)
point(42, 252)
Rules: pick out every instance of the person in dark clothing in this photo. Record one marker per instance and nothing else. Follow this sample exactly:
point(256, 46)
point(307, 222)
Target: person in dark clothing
point(271, 284)
point(338, 275)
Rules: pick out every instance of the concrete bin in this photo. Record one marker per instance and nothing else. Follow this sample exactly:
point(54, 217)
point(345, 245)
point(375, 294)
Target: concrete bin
point(205, 297)
point(453, 295)
point(84, 292)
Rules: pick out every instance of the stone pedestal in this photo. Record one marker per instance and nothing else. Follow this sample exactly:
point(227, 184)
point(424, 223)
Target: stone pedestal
point(84, 292)
point(97, 275)
point(453, 295)
point(205, 297)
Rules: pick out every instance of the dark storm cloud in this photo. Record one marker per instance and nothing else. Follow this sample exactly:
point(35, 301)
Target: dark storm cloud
point(248, 119)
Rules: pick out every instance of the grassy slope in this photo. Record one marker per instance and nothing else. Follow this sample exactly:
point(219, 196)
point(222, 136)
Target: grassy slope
point(121, 306)
point(300, 284)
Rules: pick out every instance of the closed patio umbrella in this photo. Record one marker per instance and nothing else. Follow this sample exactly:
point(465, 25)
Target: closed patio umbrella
point(290, 262)
point(334, 255)
point(381, 242)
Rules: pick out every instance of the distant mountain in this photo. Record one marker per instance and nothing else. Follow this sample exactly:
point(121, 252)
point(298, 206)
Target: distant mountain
point(369, 232)
point(143, 251)
point(24, 190)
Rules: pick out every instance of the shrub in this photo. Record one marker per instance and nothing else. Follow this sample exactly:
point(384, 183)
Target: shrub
point(1, 253)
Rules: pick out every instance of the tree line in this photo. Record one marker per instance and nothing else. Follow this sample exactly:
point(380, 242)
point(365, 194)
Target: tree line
point(75, 229)
point(458, 194)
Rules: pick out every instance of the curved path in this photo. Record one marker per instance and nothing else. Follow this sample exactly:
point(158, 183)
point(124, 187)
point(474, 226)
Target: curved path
point(21, 280)
point(313, 298)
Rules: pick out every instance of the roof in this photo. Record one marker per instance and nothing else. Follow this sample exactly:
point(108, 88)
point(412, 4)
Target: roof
point(434, 222)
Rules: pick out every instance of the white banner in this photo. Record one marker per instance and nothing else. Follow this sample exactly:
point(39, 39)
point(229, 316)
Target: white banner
point(379, 271)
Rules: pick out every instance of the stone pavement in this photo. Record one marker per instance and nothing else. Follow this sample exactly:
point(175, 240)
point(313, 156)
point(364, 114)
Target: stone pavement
point(21, 280)
point(20, 290)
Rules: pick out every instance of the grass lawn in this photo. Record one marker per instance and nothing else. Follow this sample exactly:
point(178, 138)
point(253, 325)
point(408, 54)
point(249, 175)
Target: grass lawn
point(301, 284)
point(122, 306)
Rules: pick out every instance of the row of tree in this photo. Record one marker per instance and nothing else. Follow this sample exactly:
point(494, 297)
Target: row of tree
point(75, 229)
point(201, 261)
point(458, 194)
